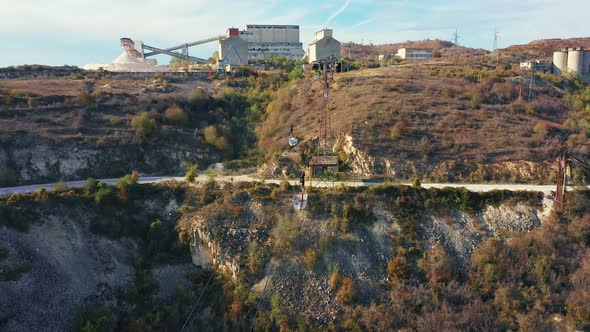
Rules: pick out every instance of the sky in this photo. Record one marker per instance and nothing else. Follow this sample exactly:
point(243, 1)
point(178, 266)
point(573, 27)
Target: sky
point(78, 32)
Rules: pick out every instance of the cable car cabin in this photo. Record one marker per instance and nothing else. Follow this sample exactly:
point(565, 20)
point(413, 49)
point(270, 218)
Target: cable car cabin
point(319, 165)
point(293, 141)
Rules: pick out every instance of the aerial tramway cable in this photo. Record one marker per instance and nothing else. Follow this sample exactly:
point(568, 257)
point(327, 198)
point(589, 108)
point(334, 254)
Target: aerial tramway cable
point(197, 303)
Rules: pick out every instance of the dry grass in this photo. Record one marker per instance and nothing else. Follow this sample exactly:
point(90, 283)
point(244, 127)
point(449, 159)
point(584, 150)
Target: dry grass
point(433, 103)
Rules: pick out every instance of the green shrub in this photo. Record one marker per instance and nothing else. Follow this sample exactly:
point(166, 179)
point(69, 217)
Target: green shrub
point(115, 121)
point(475, 101)
point(17, 212)
point(176, 115)
point(198, 99)
point(398, 130)
point(59, 187)
point(238, 164)
point(210, 134)
point(41, 195)
point(143, 124)
point(95, 318)
point(128, 181)
point(104, 195)
point(542, 128)
point(254, 261)
point(191, 172)
point(310, 258)
point(284, 234)
point(347, 292)
point(85, 98)
point(90, 186)
point(398, 268)
point(334, 278)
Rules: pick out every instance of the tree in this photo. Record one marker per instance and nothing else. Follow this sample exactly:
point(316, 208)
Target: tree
point(143, 124)
point(347, 292)
point(90, 186)
point(191, 172)
point(176, 115)
point(296, 73)
point(215, 56)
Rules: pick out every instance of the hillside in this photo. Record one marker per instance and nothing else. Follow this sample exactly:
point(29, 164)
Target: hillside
point(443, 122)
point(70, 128)
point(394, 257)
point(369, 51)
point(544, 48)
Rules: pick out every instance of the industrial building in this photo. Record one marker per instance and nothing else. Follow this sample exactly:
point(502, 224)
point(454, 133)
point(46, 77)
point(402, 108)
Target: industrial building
point(572, 60)
point(233, 50)
point(323, 47)
point(536, 65)
point(415, 53)
point(268, 40)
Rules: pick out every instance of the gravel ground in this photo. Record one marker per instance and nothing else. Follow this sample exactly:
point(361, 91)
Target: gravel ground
point(68, 264)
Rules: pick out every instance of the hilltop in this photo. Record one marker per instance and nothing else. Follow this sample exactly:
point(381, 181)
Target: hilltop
point(544, 48)
point(369, 51)
point(438, 120)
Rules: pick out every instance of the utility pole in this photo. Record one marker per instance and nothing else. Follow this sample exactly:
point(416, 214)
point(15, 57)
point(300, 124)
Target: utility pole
point(348, 61)
point(532, 82)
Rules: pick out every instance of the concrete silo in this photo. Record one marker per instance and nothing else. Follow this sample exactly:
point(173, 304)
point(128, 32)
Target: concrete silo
point(586, 69)
point(560, 62)
point(323, 47)
point(233, 50)
point(575, 60)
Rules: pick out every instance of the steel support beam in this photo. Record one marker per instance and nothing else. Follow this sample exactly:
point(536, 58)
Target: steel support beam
point(156, 50)
point(178, 47)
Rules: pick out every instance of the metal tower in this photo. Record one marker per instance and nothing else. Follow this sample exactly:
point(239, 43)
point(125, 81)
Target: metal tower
point(496, 34)
point(455, 37)
point(325, 142)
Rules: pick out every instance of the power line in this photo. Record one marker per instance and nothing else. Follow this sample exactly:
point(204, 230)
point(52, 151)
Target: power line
point(196, 303)
point(261, 298)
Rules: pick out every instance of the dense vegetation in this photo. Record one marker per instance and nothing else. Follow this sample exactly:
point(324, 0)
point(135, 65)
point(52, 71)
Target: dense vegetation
point(533, 281)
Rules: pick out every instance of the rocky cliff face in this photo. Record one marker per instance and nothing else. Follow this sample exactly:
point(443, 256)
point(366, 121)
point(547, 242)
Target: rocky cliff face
point(67, 265)
point(63, 264)
point(366, 164)
point(37, 160)
point(361, 254)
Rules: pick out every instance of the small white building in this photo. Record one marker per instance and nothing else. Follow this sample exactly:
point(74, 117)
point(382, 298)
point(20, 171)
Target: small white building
point(415, 53)
point(537, 65)
point(323, 47)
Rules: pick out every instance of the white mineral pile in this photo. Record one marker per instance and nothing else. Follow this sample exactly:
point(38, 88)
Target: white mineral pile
point(127, 63)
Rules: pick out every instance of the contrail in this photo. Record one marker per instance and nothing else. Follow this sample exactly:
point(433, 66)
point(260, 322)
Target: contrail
point(361, 23)
point(338, 12)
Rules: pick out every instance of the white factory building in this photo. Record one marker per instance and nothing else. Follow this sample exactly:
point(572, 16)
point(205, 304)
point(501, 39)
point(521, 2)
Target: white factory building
point(268, 40)
point(233, 50)
point(415, 53)
point(572, 60)
point(324, 46)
